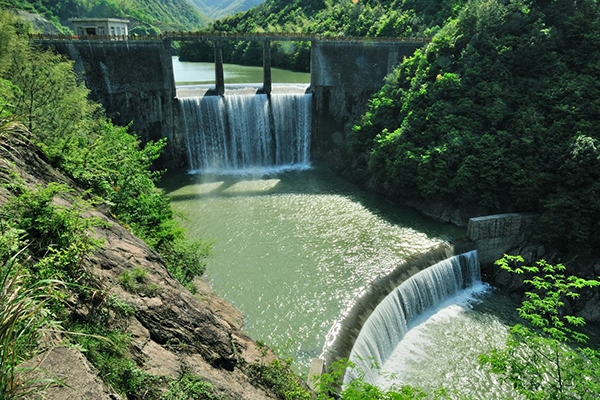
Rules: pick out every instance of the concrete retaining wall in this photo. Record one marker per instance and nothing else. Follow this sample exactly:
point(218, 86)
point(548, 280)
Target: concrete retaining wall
point(344, 75)
point(494, 235)
point(133, 81)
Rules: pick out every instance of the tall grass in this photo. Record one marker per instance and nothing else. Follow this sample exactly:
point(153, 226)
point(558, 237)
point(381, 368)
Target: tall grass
point(23, 319)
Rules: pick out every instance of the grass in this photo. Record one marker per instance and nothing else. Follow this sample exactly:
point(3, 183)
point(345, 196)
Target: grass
point(23, 318)
point(136, 281)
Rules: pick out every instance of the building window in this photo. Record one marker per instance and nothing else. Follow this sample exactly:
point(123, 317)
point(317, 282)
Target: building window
point(101, 30)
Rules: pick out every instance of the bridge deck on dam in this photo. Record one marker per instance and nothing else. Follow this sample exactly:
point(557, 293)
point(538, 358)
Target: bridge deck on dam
point(228, 36)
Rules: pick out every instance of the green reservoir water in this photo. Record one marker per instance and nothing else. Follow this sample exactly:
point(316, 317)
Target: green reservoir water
point(203, 73)
point(293, 249)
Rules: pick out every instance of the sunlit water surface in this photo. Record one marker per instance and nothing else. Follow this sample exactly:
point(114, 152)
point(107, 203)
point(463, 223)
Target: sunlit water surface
point(292, 249)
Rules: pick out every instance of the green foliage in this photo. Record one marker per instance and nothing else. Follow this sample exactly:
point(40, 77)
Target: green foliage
point(58, 235)
point(146, 16)
point(279, 377)
point(186, 260)
point(329, 384)
point(136, 281)
point(189, 387)
point(495, 116)
point(375, 18)
point(23, 319)
point(53, 222)
point(43, 91)
point(107, 349)
point(50, 100)
point(547, 356)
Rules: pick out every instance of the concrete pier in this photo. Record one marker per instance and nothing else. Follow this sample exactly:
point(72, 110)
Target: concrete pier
point(316, 369)
point(267, 81)
point(219, 76)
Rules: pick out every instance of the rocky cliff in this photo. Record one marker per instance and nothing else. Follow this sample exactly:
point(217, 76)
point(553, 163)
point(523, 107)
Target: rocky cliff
point(171, 329)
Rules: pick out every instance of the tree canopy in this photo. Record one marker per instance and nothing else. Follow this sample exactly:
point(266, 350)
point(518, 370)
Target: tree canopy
point(500, 113)
point(380, 18)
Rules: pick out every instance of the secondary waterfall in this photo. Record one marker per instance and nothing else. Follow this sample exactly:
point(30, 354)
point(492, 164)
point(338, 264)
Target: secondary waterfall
point(242, 131)
point(392, 318)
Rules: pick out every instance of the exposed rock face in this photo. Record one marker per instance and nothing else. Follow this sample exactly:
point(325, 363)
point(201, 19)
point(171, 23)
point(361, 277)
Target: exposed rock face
point(38, 23)
point(172, 330)
point(70, 367)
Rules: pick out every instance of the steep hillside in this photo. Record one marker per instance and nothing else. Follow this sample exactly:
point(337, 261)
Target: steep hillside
point(346, 17)
point(221, 8)
point(500, 113)
point(380, 18)
point(92, 256)
point(159, 336)
point(147, 16)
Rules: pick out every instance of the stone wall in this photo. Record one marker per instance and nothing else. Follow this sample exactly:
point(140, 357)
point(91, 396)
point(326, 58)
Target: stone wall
point(344, 75)
point(494, 235)
point(133, 81)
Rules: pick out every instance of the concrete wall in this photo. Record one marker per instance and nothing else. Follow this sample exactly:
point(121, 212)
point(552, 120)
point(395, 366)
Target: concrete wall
point(494, 235)
point(133, 80)
point(344, 75)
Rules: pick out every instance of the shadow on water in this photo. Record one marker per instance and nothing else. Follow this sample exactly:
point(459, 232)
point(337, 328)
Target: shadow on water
point(315, 181)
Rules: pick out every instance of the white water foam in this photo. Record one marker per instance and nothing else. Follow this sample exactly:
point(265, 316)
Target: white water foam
point(406, 306)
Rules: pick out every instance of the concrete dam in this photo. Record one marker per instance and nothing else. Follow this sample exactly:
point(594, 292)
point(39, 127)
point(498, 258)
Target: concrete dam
point(134, 81)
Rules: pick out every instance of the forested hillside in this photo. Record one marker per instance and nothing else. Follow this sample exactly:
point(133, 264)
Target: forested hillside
point(500, 113)
point(389, 18)
point(146, 16)
point(221, 8)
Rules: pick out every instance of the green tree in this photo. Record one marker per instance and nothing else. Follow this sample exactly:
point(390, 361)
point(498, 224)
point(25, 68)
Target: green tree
point(498, 114)
point(546, 357)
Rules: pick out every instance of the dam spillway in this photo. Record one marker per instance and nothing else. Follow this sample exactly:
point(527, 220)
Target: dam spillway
point(241, 132)
point(392, 318)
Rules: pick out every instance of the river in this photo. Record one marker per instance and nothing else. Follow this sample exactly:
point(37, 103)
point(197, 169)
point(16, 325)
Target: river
point(292, 249)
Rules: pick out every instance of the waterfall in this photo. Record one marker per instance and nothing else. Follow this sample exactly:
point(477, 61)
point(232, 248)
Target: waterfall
point(392, 318)
point(241, 131)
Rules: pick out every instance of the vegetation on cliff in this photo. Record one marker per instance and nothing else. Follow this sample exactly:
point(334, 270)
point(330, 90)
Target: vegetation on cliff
point(500, 113)
point(40, 90)
point(372, 18)
point(47, 232)
point(147, 17)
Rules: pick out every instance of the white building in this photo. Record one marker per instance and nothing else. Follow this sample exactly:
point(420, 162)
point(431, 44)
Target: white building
point(100, 27)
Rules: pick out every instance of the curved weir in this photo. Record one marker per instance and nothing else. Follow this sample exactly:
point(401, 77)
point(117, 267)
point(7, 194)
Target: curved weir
point(342, 335)
point(392, 318)
point(245, 131)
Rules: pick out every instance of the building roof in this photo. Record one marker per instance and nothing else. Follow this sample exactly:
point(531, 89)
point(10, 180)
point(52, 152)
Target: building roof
point(124, 21)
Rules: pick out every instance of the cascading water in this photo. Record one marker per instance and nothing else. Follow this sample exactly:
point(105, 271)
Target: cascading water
point(390, 321)
point(241, 131)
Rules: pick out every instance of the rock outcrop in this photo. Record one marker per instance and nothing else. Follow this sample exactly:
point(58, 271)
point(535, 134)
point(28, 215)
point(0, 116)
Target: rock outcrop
point(171, 329)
